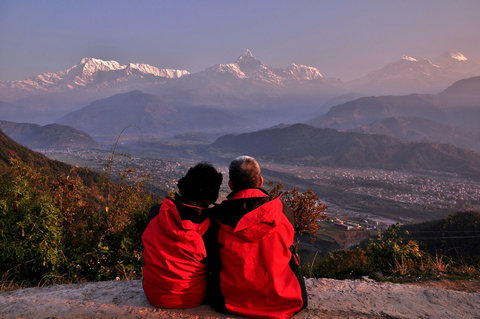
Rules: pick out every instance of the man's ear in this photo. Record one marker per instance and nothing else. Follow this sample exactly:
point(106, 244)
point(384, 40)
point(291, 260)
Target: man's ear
point(260, 182)
point(230, 184)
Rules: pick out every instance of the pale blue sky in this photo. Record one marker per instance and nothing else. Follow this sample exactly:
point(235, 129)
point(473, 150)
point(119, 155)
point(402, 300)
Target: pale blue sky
point(344, 39)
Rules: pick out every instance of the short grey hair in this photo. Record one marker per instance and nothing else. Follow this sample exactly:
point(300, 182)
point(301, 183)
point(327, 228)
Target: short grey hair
point(244, 172)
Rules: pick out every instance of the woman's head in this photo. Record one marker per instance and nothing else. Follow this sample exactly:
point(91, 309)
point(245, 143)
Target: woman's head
point(201, 184)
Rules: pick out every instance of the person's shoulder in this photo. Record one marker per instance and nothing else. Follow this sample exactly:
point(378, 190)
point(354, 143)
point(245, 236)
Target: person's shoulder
point(216, 209)
point(155, 207)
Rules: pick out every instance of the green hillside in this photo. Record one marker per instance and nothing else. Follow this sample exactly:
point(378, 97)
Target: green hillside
point(60, 224)
point(10, 149)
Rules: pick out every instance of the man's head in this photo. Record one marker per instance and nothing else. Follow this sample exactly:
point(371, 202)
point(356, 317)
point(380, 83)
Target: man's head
point(244, 172)
point(201, 184)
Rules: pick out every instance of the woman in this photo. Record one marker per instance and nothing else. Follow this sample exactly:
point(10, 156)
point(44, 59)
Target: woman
point(174, 275)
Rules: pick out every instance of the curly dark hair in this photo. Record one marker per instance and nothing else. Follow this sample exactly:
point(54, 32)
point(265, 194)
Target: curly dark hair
point(201, 184)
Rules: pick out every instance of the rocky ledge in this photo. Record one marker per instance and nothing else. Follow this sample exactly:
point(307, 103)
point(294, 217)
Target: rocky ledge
point(328, 298)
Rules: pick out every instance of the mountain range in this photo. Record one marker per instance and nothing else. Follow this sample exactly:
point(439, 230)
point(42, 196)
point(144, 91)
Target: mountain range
point(248, 95)
point(458, 105)
point(417, 75)
point(91, 72)
point(49, 136)
point(246, 84)
point(451, 116)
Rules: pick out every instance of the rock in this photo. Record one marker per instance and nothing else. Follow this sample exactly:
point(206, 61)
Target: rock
point(328, 298)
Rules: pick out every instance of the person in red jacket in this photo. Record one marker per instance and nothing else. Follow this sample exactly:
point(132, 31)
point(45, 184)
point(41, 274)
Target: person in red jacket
point(174, 274)
point(259, 276)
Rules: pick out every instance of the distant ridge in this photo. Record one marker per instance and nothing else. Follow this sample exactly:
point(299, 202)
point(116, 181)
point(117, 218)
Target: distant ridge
point(457, 105)
point(303, 144)
point(48, 136)
point(416, 129)
point(151, 114)
point(417, 75)
point(10, 149)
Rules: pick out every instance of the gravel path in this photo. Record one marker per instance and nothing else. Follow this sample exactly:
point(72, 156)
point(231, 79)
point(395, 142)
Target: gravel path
point(328, 298)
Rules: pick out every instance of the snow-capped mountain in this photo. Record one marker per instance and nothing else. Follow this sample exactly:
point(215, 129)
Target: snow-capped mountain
point(417, 75)
point(303, 72)
point(247, 83)
point(91, 72)
point(244, 83)
point(248, 67)
point(457, 62)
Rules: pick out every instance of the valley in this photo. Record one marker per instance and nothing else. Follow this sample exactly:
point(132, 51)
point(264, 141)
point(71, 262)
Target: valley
point(377, 198)
point(372, 198)
point(360, 201)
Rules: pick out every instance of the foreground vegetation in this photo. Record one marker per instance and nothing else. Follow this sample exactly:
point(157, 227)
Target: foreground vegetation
point(395, 256)
point(55, 228)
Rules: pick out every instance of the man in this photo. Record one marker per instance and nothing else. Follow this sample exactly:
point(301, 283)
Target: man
point(259, 275)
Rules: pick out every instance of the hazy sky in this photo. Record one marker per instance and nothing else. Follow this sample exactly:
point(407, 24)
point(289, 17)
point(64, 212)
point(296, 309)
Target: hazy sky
point(344, 39)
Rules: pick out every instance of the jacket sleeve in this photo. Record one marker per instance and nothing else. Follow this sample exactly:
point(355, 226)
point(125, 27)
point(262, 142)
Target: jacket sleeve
point(294, 261)
point(214, 295)
point(288, 211)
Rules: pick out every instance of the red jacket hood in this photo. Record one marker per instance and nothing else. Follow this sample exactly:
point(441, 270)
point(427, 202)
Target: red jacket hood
point(177, 228)
point(259, 222)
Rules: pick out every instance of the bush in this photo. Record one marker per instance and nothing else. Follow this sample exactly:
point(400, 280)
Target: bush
point(343, 264)
point(388, 257)
point(306, 207)
point(388, 254)
point(308, 210)
point(31, 230)
point(56, 229)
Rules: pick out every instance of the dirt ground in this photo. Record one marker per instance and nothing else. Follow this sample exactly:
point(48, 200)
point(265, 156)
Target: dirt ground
point(328, 298)
point(467, 285)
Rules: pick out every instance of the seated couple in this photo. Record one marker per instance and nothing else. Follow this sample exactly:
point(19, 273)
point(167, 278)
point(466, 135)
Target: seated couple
point(237, 256)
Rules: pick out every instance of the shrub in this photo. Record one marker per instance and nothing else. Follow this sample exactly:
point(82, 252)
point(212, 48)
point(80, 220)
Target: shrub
point(388, 254)
point(56, 229)
point(307, 209)
point(343, 264)
point(31, 230)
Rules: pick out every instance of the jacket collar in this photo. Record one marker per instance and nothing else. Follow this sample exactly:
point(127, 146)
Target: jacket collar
point(248, 193)
point(183, 201)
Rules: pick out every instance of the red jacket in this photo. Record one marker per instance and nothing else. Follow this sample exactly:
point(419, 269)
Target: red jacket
point(259, 277)
point(174, 253)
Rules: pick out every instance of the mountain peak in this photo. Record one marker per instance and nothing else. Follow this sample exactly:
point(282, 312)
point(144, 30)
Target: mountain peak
point(304, 72)
point(409, 58)
point(247, 62)
point(246, 54)
point(95, 61)
point(92, 65)
point(457, 56)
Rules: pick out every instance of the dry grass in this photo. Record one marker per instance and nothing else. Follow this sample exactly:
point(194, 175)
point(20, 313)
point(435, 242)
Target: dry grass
point(438, 264)
point(401, 266)
point(8, 283)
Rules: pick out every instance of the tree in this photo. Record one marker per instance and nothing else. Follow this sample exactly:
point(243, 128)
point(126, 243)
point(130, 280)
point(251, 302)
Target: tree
point(307, 209)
